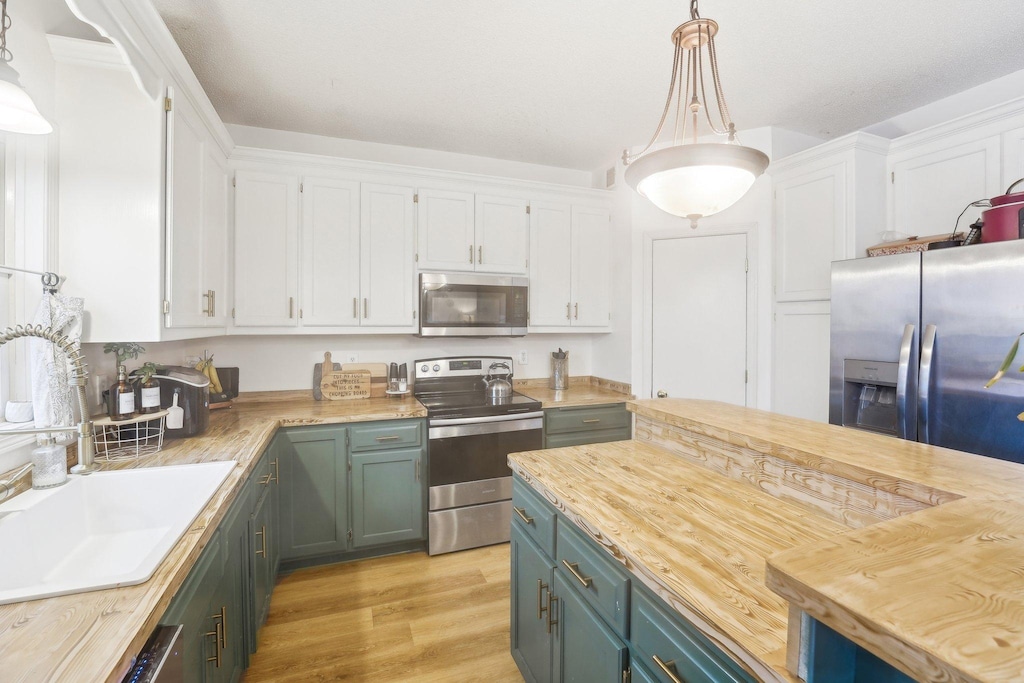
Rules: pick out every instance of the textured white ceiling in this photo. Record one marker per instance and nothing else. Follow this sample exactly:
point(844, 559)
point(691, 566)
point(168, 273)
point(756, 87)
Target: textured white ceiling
point(569, 84)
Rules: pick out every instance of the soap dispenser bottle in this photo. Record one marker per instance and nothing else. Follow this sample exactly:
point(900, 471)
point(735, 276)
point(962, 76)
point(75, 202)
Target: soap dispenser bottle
point(49, 464)
point(122, 397)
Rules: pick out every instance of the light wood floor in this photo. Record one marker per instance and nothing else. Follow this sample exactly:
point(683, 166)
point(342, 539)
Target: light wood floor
point(409, 618)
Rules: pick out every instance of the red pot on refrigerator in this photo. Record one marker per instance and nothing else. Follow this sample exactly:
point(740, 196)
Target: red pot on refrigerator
point(1005, 220)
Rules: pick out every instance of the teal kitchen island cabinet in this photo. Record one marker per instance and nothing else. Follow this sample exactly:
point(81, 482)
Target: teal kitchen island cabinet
point(577, 425)
point(351, 491)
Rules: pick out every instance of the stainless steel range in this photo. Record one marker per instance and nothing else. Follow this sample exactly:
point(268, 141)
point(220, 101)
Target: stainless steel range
point(471, 435)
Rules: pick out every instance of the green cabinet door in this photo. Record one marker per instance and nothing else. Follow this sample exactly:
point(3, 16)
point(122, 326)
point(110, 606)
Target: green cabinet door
point(531, 588)
point(238, 626)
point(312, 469)
point(585, 649)
point(225, 652)
point(387, 496)
point(260, 531)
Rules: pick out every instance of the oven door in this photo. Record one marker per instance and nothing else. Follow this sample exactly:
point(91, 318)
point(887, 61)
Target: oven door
point(462, 305)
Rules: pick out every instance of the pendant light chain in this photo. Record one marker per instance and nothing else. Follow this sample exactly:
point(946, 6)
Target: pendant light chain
point(5, 24)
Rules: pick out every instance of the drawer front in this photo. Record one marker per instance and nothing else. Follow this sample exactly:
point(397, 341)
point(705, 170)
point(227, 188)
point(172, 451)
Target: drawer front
point(382, 435)
point(580, 438)
point(603, 585)
point(528, 505)
point(680, 647)
point(560, 420)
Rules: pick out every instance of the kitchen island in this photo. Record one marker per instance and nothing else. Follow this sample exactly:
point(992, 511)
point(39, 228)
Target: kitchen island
point(741, 520)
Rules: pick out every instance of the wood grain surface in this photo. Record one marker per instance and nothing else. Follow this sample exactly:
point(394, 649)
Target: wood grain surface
point(582, 393)
point(93, 636)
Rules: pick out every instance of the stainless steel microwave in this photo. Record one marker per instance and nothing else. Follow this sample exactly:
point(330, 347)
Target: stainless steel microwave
point(469, 305)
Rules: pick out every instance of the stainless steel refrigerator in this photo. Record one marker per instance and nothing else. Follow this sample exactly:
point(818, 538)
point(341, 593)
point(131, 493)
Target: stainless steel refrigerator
point(914, 339)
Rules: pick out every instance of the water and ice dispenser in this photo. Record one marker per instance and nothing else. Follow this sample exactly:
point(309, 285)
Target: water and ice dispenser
point(869, 395)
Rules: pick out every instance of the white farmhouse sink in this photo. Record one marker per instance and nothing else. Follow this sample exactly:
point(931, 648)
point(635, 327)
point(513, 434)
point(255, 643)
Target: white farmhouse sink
point(102, 530)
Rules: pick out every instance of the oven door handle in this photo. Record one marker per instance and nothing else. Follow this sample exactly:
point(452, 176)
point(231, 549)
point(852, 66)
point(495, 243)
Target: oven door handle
point(451, 422)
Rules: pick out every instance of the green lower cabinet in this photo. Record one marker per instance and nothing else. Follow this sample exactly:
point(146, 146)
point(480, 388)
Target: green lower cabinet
point(829, 657)
point(313, 466)
point(579, 425)
point(585, 649)
point(238, 613)
point(387, 496)
point(531, 590)
point(639, 674)
point(261, 538)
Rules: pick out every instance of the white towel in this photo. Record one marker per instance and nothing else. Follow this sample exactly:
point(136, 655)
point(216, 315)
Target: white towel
point(51, 372)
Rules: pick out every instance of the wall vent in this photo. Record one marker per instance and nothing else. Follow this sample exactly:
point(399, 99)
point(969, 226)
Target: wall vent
point(609, 178)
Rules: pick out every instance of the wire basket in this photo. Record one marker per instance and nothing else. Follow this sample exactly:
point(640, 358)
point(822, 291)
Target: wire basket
point(129, 439)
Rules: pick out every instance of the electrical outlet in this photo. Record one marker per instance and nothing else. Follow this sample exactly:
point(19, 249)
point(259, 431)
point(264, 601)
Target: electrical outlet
point(524, 358)
point(100, 383)
point(352, 358)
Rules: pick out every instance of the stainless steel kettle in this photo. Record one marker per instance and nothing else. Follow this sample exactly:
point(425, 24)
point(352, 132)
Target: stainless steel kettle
point(497, 385)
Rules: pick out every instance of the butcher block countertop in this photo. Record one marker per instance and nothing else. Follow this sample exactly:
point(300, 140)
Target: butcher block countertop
point(734, 516)
point(94, 636)
point(582, 391)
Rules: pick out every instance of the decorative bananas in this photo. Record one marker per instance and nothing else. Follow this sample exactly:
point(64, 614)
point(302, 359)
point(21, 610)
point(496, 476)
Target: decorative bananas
point(205, 366)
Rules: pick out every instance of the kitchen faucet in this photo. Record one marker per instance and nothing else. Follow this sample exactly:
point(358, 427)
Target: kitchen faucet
point(79, 378)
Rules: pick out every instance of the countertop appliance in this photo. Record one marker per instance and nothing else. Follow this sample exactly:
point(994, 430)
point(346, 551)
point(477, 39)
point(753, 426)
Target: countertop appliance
point(193, 389)
point(160, 660)
point(468, 305)
point(470, 436)
point(914, 339)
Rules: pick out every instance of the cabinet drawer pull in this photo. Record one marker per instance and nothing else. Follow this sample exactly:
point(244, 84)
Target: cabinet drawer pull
point(592, 422)
point(388, 438)
point(574, 569)
point(366, 308)
point(266, 479)
point(541, 609)
point(551, 610)
point(216, 633)
point(355, 307)
point(262, 533)
point(291, 307)
point(223, 616)
point(277, 470)
point(668, 667)
point(522, 514)
point(211, 303)
point(471, 253)
point(576, 312)
point(480, 255)
point(568, 311)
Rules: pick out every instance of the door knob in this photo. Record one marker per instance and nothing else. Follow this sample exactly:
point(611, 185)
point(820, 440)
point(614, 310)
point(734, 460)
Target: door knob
point(662, 394)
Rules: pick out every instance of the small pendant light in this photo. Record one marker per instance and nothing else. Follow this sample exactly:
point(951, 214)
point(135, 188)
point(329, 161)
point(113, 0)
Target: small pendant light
point(18, 113)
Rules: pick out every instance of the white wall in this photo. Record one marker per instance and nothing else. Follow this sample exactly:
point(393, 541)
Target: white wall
point(279, 363)
point(286, 141)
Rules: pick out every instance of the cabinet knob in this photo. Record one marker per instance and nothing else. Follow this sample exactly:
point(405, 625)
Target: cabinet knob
point(662, 394)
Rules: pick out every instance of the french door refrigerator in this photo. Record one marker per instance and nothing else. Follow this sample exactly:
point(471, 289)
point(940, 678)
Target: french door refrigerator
point(914, 339)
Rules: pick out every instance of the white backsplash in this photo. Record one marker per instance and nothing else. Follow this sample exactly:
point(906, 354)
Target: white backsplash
point(273, 363)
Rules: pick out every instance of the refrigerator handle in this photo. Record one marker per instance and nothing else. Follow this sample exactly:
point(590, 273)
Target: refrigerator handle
point(901, 381)
point(925, 381)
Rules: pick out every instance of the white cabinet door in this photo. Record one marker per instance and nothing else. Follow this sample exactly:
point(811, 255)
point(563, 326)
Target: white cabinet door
point(1013, 159)
point(446, 239)
point(330, 252)
point(502, 235)
point(266, 242)
point(800, 365)
point(387, 246)
point(550, 264)
point(186, 163)
point(591, 228)
point(810, 228)
point(930, 189)
point(216, 222)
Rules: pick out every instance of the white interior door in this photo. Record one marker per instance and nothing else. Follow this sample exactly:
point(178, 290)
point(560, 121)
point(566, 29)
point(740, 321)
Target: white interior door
point(699, 317)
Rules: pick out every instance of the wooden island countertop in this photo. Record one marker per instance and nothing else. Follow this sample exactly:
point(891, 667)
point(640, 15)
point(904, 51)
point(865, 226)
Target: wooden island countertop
point(93, 636)
point(737, 517)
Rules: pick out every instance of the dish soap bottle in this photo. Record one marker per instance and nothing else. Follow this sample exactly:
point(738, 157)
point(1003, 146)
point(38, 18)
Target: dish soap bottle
point(122, 397)
point(149, 391)
point(49, 464)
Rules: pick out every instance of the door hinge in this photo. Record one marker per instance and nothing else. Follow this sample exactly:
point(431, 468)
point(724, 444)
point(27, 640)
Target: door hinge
point(527, 208)
point(350, 534)
point(746, 377)
point(233, 183)
point(416, 198)
point(627, 675)
point(232, 313)
point(746, 265)
point(892, 177)
point(346, 443)
point(417, 257)
point(300, 187)
point(300, 314)
point(527, 264)
point(167, 306)
point(167, 104)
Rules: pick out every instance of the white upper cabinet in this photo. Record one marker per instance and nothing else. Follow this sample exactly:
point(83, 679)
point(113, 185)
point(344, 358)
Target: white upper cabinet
point(460, 231)
point(829, 204)
point(197, 222)
point(266, 249)
point(502, 234)
point(932, 183)
point(1013, 158)
point(800, 362)
point(387, 281)
point(446, 230)
point(591, 266)
point(330, 252)
point(550, 254)
point(570, 262)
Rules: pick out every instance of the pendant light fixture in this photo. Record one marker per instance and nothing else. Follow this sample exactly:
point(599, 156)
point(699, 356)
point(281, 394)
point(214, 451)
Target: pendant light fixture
point(18, 114)
point(689, 178)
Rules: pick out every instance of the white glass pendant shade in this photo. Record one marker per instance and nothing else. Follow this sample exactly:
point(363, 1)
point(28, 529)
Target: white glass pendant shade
point(18, 113)
point(696, 180)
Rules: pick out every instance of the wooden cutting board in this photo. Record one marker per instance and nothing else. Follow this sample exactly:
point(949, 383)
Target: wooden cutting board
point(336, 385)
point(378, 376)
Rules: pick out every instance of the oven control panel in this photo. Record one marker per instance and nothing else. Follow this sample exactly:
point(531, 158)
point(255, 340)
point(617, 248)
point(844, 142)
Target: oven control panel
point(462, 366)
